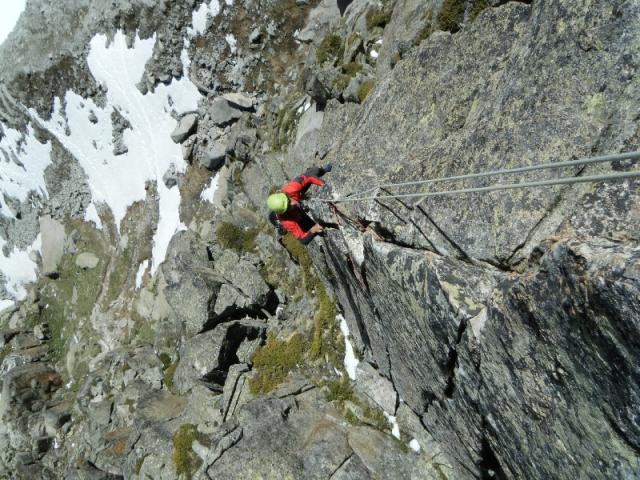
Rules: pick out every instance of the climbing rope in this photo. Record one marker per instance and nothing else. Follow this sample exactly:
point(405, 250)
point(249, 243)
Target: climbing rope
point(360, 196)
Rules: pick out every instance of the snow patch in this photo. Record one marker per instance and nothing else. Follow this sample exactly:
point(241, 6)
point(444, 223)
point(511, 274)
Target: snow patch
point(395, 428)
point(209, 192)
point(18, 269)
point(119, 181)
point(23, 160)
point(91, 215)
point(231, 40)
point(350, 360)
point(201, 16)
point(414, 445)
point(143, 268)
point(373, 54)
point(4, 304)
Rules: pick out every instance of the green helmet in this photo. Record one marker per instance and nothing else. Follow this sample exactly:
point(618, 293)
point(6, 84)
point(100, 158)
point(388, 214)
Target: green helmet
point(278, 202)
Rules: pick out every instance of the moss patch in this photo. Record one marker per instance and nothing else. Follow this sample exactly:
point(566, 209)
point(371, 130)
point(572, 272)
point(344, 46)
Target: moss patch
point(236, 238)
point(377, 18)
point(352, 69)
point(451, 15)
point(476, 7)
point(364, 89)
point(331, 48)
point(341, 82)
point(274, 361)
point(340, 391)
point(68, 301)
point(4, 351)
point(349, 70)
point(169, 372)
point(325, 340)
point(284, 125)
point(427, 28)
point(184, 459)
point(376, 416)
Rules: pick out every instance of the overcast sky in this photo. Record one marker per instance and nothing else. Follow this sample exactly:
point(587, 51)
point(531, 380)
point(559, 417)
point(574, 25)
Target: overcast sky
point(10, 10)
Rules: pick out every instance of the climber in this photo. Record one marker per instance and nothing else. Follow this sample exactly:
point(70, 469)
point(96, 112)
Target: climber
point(286, 211)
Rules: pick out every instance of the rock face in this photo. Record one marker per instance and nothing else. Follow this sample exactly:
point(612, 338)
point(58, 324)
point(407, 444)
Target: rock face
point(185, 127)
point(498, 317)
point(222, 113)
point(495, 335)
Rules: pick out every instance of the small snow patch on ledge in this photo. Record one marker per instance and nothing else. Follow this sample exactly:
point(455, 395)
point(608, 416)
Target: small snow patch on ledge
point(395, 428)
point(350, 360)
point(209, 192)
point(91, 215)
point(143, 268)
point(231, 40)
point(414, 445)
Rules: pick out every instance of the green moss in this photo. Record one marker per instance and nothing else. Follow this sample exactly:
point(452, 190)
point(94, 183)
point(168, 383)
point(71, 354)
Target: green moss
point(68, 299)
point(377, 18)
point(376, 416)
point(284, 125)
point(119, 275)
point(349, 70)
point(4, 351)
point(395, 59)
point(234, 237)
point(274, 361)
point(351, 417)
point(427, 28)
point(364, 89)
point(165, 358)
point(476, 7)
point(143, 331)
point(184, 459)
point(331, 48)
point(138, 465)
point(325, 340)
point(340, 390)
point(451, 15)
point(341, 82)
point(352, 69)
point(169, 372)
point(237, 177)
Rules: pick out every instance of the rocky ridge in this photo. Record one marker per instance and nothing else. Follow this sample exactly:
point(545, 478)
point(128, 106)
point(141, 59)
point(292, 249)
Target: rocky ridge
point(495, 334)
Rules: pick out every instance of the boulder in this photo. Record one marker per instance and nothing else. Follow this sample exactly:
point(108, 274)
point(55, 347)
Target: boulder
point(239, 101)
point(171, 177)
point(309, 121)
point(208, 356)
point(191, 285)
point(186, 126)
point(87, 261)
point(222, 113)
point(214, 156)
point(53, 238)
point(370, 384)
point(303, 437)
point(244, 276)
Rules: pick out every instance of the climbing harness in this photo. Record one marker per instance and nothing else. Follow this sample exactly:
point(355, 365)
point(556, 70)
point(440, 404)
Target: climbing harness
point(363, 195)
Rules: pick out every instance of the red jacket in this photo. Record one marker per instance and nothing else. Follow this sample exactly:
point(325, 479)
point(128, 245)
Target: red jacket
point(294, 220)
point(297, 187)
